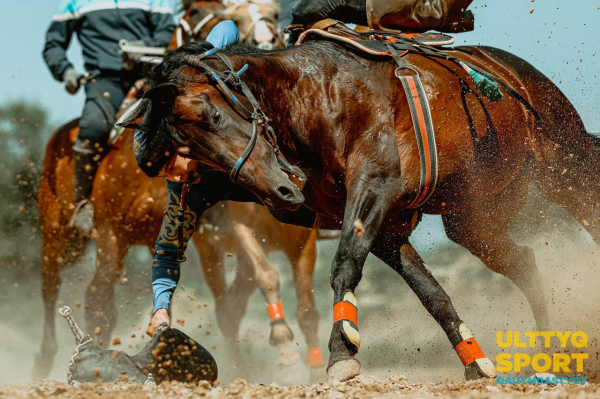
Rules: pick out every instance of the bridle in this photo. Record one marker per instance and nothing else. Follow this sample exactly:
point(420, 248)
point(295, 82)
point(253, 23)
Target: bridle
point(191, 32)
point(256, 115)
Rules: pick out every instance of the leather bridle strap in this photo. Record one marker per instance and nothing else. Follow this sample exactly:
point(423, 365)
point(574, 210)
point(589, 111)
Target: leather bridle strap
point(256, 115)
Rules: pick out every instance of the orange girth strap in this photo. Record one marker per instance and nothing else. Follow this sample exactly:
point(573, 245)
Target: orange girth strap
point(276, 311)
point(468, 351)
point(315, 358)
point(345, 311)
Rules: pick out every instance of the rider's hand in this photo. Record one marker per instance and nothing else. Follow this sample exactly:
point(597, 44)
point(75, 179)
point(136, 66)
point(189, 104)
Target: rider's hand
point(71, 78)
point(159, 317)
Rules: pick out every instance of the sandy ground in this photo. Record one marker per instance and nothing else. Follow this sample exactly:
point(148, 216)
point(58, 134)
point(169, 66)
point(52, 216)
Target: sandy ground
point(398, 336)
point(360, 387)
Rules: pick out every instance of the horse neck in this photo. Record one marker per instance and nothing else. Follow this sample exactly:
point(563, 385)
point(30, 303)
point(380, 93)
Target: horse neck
point(272, 79)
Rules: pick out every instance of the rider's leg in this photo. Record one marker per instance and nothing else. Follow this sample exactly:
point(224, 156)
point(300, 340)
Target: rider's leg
point(103, 100)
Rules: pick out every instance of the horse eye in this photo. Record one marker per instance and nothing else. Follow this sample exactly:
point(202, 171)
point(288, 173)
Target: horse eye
point(217, 117)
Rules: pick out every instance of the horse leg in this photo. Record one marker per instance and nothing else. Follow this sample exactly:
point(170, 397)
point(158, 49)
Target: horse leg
point(60, 248)
point(369, 198)
point(101, 315)
point(406, 261)
point(303, 260)
point(484, 231)
point(267, 279)
point(231, 304)
point(51, 264)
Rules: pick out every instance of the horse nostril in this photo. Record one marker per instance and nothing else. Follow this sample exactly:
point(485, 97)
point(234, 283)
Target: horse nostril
point(285, 192)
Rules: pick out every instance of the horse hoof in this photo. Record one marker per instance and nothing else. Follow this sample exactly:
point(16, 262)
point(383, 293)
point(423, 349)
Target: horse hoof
point(343, 370)
point(480, 368)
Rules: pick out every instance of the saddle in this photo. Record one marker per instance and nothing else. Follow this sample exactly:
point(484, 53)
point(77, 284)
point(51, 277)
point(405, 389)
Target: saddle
point(396, 45)
point(370, 41)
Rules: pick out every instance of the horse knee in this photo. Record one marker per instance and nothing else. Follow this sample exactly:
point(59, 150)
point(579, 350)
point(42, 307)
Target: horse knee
point(267, 278)
point(346, 271)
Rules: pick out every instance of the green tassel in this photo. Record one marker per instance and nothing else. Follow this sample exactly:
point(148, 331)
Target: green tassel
point(486, 86)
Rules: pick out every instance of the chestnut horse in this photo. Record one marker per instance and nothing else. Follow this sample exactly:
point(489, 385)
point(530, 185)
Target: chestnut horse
point(257, 22)
point(133, 218)
point(343, 118)
point(129, 212)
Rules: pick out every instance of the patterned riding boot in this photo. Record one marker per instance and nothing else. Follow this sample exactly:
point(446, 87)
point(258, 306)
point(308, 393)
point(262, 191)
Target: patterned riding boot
point(86, 165)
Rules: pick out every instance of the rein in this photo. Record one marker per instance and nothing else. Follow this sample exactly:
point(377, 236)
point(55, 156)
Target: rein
point(256, 116)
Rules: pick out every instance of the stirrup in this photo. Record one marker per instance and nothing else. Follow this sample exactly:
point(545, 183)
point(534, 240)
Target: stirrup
point(78, 207)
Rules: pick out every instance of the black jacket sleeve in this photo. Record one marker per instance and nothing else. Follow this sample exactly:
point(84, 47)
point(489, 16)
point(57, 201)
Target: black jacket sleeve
point(58, 38)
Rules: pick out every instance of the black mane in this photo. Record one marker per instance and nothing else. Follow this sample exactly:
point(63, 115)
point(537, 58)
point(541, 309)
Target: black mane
point(166, 83)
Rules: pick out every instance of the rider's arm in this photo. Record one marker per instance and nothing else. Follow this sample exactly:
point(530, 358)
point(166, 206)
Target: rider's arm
point(165, 267)
point(58, 38)
point(161, 24)
point(212, 188)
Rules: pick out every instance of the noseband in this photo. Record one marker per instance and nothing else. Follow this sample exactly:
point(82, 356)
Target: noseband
point(256, 115)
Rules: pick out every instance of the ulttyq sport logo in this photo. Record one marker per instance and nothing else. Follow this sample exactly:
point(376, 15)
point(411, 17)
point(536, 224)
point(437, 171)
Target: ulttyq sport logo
point(569, 362)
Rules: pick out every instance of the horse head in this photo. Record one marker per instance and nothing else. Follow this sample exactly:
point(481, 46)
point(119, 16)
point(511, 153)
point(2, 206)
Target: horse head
point(199, 107)
point(257, 22)
point(199, 18)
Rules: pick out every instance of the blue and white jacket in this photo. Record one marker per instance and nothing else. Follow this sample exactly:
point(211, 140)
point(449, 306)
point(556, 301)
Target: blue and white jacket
point(99, 25)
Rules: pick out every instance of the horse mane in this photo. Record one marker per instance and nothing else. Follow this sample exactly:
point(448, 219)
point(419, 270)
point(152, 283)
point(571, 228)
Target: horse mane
point(166, 84)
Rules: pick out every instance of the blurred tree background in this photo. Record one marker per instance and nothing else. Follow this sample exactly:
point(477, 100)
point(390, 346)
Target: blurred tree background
point(24, 132)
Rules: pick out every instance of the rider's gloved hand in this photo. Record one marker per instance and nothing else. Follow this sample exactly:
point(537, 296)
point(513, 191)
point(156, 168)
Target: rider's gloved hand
point(71, 79)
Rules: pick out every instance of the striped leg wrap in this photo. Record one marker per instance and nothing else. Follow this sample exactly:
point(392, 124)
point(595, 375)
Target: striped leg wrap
point(470, 352)
point(346, 312)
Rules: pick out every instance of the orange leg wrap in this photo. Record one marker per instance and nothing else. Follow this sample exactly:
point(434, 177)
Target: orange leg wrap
point(468, 351)
point(345, 311)
point(315, 358)
point(276, 311)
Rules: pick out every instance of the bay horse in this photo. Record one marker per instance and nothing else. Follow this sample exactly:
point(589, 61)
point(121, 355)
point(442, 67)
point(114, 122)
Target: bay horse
point(342, 117)
point(130, 208)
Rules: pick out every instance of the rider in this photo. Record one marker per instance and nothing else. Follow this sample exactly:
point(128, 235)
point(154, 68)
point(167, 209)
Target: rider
point(208, 189)
point(100, 25)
